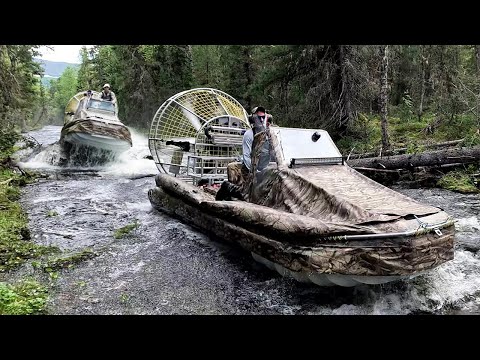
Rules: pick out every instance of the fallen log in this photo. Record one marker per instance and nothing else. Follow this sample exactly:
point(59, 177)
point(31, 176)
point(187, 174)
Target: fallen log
point(403, 150)
point(410, 161)
point(376, 170)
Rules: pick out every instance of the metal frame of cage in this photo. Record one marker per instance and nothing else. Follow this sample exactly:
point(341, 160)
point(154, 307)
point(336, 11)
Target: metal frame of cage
point(196, 110)
point(218, 142)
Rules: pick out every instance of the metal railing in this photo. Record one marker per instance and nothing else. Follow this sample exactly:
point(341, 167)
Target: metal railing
point(212, 169)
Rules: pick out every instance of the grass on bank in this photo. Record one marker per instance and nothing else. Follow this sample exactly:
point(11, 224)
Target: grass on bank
point(26, 297)
point(460, 180)
point(15, 244)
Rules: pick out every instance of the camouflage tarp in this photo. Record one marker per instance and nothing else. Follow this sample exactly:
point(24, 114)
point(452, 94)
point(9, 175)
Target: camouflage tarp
point(117, 131)
point(302, 217)
point(295, 241)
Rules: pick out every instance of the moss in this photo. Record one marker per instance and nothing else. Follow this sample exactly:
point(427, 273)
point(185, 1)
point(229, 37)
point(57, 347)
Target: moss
point(24, 298)
point(15, 246)
point(471, 139)
point(125, 230)
point(460, 181)
point(52, 213)
point(68, 261)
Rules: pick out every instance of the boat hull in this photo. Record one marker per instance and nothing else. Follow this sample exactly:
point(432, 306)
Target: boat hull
point(323, 262)
point(109, 136)
point(98, 141)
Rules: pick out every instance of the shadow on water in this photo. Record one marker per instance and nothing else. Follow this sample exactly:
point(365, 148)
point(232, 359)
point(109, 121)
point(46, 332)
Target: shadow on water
point(167, 267)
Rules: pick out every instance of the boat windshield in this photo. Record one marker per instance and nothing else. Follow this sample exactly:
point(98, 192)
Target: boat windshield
point(306, 143)
point(101, 105)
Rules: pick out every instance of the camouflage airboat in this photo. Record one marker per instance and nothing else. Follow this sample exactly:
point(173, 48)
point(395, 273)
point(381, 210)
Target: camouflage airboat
point(308, 215)
point(93, 123)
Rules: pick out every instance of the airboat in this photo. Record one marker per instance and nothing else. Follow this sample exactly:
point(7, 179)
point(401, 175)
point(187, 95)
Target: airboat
point(307, 214)
point(91, 123)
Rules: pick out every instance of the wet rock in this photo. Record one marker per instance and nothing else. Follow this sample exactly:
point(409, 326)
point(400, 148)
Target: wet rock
point(25, 234)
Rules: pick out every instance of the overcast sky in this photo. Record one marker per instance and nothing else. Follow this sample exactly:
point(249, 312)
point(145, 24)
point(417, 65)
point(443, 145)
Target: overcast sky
point(64, 53)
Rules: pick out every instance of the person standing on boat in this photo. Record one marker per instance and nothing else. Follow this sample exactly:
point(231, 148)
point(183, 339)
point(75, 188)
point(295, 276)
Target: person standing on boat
point(108, 94)
point(259, 120)
point(238, 172)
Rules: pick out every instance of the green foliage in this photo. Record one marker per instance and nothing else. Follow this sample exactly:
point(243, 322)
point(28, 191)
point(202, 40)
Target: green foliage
point(365, 136)
point(24, 298)
point(407, 131)
point(19, 75)
point(471, 139)
point(458, 127)
point(63, 88)
point(8, 138)
point(458, 180)
point(206, 66)
point(125, 230)
point(415, 148)
point(406, 109)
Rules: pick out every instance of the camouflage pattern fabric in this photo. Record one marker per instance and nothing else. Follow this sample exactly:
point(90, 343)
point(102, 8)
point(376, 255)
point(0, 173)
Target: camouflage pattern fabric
point(237, 173)
point(97, 128)
point(301, 217)
point(265, 232)
point(329, 192)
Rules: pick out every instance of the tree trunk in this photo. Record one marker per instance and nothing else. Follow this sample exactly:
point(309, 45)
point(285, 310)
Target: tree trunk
point(24, 125)
point(432, 158)
point(384, 98)
point(477, 57)
point(247, 67)
point(346, 89)
point(404, 150)
point(422, 84)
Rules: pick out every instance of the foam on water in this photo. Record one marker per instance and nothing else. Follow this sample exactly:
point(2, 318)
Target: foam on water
point(451, 286)
point(469, 224)
point(130, 164)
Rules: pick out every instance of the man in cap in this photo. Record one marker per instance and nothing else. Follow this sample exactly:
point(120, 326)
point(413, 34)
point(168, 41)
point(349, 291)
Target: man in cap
point(238, 172)
point(108, 94)
point(259, 120)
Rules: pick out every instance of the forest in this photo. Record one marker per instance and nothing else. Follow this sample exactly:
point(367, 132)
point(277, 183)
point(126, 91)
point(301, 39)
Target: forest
point(366, 96)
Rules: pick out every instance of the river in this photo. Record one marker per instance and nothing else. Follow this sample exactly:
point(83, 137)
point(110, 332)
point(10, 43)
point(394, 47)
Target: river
point(166, 267)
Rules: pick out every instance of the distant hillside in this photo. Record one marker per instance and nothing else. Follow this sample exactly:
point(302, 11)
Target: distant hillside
point(55, 68)
point(46, 80)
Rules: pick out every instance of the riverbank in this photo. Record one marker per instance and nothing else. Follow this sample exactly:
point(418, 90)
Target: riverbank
point(25, 296)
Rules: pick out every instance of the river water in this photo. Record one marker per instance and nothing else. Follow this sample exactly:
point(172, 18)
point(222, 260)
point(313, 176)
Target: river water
point(166, 267)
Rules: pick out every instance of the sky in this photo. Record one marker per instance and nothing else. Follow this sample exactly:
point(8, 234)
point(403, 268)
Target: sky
point(63, 53)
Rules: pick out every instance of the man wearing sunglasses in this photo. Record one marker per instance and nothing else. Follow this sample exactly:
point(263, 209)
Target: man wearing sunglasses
point(238, 172)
